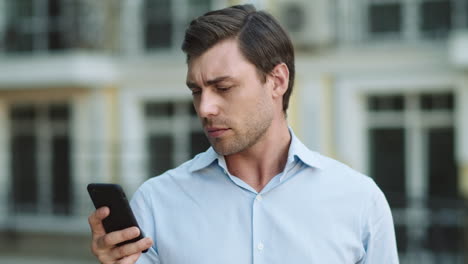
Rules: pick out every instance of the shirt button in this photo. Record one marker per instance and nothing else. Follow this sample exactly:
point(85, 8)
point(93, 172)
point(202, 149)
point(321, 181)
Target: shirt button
point(259, 197)
point(260, 246)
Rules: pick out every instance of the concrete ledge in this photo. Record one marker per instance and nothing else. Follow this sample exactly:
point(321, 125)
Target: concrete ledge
point(70, 69)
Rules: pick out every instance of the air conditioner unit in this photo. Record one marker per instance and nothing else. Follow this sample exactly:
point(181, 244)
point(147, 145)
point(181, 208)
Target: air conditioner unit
point(458, 48)
point(310, 23)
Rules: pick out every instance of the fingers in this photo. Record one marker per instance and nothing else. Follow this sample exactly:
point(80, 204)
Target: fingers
point(114, 238)
point(129, 251)
point(104, 246)
point(130, 259)
point(95, 221)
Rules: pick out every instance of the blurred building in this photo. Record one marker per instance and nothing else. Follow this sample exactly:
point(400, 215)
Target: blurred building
point(383, 86)
point(94, 91)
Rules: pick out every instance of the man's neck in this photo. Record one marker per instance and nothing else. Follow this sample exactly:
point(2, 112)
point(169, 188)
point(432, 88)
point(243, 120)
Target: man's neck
point(260, 163)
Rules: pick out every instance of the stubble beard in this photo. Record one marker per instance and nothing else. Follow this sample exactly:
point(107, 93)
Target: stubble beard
point(246, 134)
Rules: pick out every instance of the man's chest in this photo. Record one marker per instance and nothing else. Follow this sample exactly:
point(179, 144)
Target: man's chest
point(260, 232)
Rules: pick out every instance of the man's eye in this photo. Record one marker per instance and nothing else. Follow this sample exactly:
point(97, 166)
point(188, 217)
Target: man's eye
point(196, 91)
point(223, 89)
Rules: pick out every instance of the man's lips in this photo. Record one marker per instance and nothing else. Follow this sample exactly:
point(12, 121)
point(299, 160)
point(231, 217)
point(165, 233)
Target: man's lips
point(216, 131)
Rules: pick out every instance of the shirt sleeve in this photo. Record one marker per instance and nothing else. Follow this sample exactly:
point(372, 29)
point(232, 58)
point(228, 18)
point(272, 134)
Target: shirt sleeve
point(144, 215)
point(379, 232)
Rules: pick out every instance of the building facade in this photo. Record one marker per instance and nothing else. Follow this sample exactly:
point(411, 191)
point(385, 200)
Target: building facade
point(93, 91)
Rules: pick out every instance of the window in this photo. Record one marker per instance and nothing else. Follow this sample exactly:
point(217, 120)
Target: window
point(35, 25)
point(412, 159)
point(158, 25)
point(436, 18)
point(434, 102)
point(174, 135)
point(387, 159)
point(442, 169)
point(385, 18)
point(386, 103)
point(415, 19)
point(464, 9)
point(164, 21)
point(40, 159)
point(38, 26)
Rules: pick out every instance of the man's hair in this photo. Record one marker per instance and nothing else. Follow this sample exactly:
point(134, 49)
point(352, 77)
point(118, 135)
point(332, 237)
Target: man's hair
point(262, 41)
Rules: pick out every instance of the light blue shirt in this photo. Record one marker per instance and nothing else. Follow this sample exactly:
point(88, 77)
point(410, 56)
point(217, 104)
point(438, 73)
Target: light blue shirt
point(316, 211)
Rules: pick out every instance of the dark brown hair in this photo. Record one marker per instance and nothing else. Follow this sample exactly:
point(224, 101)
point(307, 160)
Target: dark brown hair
point(261, 39)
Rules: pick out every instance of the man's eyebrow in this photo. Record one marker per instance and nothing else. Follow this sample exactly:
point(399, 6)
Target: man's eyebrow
point(192, 85)
point(218, 79)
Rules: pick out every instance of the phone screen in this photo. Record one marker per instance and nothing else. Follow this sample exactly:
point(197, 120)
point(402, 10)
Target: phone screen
point(121, 215)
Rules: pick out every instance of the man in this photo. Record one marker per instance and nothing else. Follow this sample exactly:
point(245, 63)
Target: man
point(258, 195)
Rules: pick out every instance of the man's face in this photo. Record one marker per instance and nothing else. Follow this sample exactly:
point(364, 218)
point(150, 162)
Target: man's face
point(233, 104)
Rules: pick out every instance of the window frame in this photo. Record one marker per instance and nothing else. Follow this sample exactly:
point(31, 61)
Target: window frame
point(70, 28)
point(46, 129)
point(384, 35)
point(182, 11)
point(416, 123)
point(41, 26)
point(412, 19)
point(179, 126)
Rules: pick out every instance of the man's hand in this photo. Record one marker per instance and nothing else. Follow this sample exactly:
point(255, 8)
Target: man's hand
point(103, 245)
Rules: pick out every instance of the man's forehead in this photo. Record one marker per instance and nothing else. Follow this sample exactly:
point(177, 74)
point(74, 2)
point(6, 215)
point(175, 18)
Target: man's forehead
point(209, 79)
point(208, 71)
point(223, 59)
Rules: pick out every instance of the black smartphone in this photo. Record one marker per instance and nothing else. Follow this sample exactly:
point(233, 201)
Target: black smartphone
point(121, 215)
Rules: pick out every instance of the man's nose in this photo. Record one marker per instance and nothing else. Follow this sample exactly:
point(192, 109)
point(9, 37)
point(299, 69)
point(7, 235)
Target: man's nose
point(208, 105)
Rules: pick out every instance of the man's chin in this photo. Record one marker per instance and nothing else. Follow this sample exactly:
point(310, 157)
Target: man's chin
point(226, 149)
point(223, 150)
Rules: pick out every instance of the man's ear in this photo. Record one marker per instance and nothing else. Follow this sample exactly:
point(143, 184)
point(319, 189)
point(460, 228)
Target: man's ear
point(280, 78)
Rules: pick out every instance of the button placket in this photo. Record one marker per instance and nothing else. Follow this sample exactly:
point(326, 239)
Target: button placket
point(259, 197)
point(258, 229)
point(260, 246)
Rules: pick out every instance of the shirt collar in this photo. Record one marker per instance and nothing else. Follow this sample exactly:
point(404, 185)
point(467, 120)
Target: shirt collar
point(297, 150)
point(204, 160)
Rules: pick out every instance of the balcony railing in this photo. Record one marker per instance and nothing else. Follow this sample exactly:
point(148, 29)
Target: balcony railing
point(432, 231)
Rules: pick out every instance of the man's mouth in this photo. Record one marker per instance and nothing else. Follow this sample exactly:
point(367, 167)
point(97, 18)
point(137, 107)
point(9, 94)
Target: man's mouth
point(216, 131)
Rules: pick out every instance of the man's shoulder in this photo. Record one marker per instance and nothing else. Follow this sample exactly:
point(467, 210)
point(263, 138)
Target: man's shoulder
point(341, 180)
point(327, 165)
point(183, 172)
point(343, 173)
point(331, 170)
